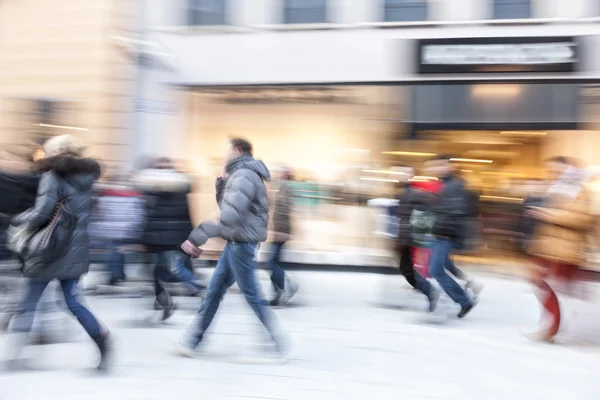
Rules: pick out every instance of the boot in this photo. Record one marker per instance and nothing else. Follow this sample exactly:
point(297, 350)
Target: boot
point(103, 343)
point(165, 303)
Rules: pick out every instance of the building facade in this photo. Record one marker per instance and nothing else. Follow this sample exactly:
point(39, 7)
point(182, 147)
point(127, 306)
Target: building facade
point(344, 89)
point(62, 71)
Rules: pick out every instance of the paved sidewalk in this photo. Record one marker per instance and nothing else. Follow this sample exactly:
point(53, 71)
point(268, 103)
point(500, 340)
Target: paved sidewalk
point(356, 336)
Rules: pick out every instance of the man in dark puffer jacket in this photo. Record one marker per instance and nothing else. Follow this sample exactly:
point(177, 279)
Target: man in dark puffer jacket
point(167, 225)
point(243, 223)
point(451, 212)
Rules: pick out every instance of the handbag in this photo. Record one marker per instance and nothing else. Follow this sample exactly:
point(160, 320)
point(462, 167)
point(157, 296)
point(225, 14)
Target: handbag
point(51, 242)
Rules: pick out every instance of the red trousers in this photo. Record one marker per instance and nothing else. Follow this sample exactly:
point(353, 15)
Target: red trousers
point(547, 297)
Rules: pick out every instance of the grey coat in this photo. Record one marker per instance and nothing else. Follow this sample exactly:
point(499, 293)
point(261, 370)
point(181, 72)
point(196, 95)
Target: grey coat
point(244, 205)
point(71, 178)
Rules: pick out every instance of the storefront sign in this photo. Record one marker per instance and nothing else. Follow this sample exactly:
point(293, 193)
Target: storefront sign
point(489, 55)
point(275, 95)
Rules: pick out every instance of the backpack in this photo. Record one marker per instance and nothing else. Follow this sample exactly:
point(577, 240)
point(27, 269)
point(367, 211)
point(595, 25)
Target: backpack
point(421, 223)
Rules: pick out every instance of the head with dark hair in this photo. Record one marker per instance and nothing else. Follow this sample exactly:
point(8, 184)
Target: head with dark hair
point(443, 157)
point(238, 147)
point(164, 163)
point(557, 165)
point(440, 166)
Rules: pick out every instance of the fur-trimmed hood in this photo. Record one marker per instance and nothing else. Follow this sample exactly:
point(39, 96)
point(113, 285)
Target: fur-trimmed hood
point(162, 180)
point(80, 172)
point(65, 166)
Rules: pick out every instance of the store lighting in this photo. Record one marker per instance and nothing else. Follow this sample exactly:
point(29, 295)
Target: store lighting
point(384, 171)
point(380, 180)
point(409, 153)
point(471, 160)
point(499, 90)
point(72, 128)
point(504, 173)
point(524, 133)
point(423, 178)
point(502, 198)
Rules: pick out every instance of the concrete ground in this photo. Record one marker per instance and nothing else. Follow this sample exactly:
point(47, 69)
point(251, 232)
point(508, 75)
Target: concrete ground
point(355, 336)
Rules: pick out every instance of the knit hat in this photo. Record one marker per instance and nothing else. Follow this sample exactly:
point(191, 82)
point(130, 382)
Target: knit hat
point(63, 145)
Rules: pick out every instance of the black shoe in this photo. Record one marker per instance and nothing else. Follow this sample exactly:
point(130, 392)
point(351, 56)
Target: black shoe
point(103, 343)
point(434, 298)
point(276, 302)
point(166, 304)
point(465, 310)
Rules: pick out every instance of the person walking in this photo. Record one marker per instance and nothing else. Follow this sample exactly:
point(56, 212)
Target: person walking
point(285, 287)
point(451, 212)
point(67, 175)
point(559, 244)
point(167, 225)
point(410, 200)
point(243, 223)
point(120, 210)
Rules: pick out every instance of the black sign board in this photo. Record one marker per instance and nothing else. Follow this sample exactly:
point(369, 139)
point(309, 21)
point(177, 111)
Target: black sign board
point(497, 55)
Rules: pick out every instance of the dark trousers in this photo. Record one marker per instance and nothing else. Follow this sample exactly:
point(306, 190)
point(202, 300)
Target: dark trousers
point(70, 288)
point(277, 273)
point(174, 266)
point(407, 269)
point(116, 262)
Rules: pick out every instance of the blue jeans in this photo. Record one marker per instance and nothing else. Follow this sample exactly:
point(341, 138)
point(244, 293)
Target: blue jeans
point(277, 274)
point(70, 288)
point(174, 266)
point(237, 264)
point(438, 263)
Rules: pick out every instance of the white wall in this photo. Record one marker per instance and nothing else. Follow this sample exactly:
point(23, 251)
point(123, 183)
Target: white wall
point(330, 55)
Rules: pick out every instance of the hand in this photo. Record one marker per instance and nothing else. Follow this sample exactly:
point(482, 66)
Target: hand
point(191, 249)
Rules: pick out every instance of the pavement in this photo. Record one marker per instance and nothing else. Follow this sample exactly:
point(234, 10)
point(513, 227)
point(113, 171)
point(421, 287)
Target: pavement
point(354, 335)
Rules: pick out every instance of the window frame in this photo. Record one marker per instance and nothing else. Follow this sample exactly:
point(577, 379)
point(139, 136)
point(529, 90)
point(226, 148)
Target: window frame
point(498, 4)
point(195, 9)
point(396, 5)
point(288, 10)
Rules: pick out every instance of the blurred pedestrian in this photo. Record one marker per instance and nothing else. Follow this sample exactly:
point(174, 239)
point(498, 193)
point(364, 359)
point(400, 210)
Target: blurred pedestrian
point(559, 244)
point(120, 217)
point(413, 203)
point(243, 223)
point(69, 177)
point(451, 212)
point(167, 225)
point(284, 286)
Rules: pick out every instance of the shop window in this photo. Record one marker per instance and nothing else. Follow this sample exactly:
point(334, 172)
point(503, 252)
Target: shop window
point(305, 11)
point(405, 10)
point(207, 12)
point(512, 9)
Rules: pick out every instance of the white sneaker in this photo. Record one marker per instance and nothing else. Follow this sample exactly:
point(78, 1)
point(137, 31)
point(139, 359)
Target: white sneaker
point(475, 287)
point(290, 289)
point(185, 350)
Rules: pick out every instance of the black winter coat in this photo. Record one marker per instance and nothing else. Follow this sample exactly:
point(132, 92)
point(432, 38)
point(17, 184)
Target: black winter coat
point(168, 222)
point(71, 178)
point(409, 200)
point(451, 210)
point(18, 192)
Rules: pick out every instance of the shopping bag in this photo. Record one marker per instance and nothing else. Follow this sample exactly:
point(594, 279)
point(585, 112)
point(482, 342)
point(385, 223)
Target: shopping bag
point(421, 260)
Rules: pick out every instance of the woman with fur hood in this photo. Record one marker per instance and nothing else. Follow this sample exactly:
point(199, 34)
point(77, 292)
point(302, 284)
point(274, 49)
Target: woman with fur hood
point(66, 175)
point(559, 243)
point(167, 225)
